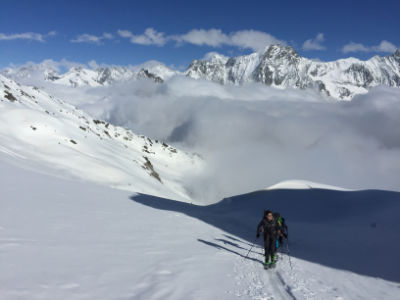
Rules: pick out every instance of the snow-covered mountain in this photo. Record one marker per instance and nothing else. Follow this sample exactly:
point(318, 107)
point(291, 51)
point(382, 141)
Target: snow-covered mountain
point(78, 76)
point(280, 66)
point(37, 127)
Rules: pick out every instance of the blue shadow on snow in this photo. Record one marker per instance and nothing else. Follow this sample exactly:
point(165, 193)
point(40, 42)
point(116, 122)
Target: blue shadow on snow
point(356, 231)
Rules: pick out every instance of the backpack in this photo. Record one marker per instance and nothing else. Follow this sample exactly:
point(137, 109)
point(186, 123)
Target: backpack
point(281, 223)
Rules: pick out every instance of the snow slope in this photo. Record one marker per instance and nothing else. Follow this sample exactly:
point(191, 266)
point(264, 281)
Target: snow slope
point(303, 184)
point(67, 239)
point(52, 133)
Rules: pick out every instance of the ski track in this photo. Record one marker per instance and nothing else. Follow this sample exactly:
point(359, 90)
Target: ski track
point(10, 152)
point(282, 282)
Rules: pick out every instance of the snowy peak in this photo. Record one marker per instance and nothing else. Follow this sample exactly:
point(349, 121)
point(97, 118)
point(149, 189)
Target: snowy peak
point(159, 69)
point(280, 52)
point(282, 67)
point(80, 76)
point(51, 75)
point(278, 67)
point(216, 57)
point(145, 74)
point(76, 77)
point(109, 75)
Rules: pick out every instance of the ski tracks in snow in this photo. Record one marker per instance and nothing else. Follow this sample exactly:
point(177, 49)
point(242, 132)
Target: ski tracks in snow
point(282, 282)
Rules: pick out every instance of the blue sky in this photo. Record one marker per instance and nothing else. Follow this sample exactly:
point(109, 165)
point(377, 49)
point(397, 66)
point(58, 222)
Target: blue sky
point(175, 32)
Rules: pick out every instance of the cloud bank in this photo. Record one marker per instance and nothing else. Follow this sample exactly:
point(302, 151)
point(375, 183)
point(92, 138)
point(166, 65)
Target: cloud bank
point(254, 136)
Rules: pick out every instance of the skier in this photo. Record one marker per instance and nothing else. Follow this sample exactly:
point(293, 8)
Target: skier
point(283, 229)
point(271, 230)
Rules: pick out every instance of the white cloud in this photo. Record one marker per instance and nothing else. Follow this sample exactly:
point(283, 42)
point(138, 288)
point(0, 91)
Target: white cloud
point(354, 47)
point(52, 33)
point(93, 64)
point(200, 37)
point(315, 43)
point(149, 37)
point(108, 36)
point(26, 36)
point(384, 46)
point(210, 56)
point(251, 39)
point(125, 33)
point(92, 39)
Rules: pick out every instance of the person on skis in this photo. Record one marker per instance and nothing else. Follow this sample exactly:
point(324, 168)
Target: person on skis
point(282, 227)
point(271, 230)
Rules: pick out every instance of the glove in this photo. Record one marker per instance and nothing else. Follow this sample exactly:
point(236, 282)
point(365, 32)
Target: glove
point(258, 235)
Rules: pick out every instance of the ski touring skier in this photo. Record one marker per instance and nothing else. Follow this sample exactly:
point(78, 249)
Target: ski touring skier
point(282, 227)
point(272, 228)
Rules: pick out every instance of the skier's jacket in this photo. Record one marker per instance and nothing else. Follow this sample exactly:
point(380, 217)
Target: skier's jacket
point(269, 228)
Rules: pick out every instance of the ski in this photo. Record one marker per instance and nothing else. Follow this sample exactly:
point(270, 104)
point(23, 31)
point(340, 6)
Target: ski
point(269, 266)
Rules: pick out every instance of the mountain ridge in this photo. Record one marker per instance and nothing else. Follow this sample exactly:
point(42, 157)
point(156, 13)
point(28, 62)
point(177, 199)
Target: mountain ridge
point(282, 67)
point(277, 66)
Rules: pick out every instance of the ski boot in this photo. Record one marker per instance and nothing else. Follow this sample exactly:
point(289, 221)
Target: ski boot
point(267, 264)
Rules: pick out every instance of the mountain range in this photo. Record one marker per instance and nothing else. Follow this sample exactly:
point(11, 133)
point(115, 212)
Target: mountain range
point(282, 67)
point(278, 66)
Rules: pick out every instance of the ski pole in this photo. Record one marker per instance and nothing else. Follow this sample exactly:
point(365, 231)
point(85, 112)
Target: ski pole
point(288, 253)
point(250, 249)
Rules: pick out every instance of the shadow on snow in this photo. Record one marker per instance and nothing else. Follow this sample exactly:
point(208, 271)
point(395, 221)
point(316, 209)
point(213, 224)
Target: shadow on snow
point(356, 231)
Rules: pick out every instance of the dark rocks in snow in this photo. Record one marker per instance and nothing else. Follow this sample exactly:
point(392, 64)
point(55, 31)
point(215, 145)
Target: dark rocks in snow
point(145, 74)
point(149, 166)
point(9, 96)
